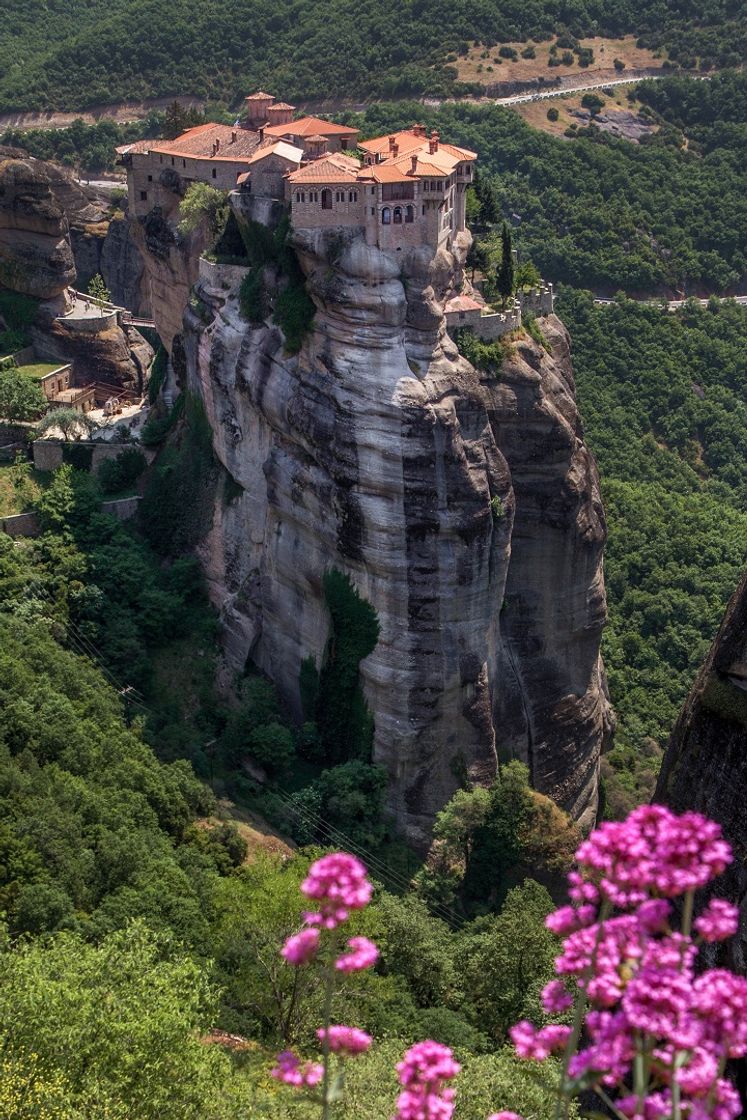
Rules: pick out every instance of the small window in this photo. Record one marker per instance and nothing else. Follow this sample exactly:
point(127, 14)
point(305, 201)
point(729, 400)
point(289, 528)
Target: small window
point(326, 199)
point(143, 196)
point(184, 163)
point(386, 216)
point(150, 178)
point(373, 211)
point(424, 209)
point(173, 162)
point(398, 215)
point(215, 174)
point(409, 213)
point(160, 159)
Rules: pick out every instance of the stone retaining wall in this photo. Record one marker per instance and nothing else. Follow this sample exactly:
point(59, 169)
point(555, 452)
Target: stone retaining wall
point(48, 452)
point(221, 275)
point(27, 524)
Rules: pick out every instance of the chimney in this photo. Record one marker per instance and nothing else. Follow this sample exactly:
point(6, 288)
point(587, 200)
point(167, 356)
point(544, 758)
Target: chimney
point(234, 136)
point(217, 145)
point(420, 129)
point(433, 142)
point(392, 144)
point(261, 135)
point(413, 165)
point(395, 150)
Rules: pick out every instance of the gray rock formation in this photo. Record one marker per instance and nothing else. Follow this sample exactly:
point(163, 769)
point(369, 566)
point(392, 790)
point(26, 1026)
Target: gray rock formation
point(466, 510)
point(35, 254)
point(705, 765)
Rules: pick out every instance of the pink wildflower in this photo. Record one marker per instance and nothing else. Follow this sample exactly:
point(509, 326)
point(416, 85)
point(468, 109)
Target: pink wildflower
point(700, 1073)
point(612, 1048)
point(290, 1071)
point(340, 884)
point(302, 947)
point(536, 1045)
point(568, 919)
point(364, 954)
point(424, 1071)
point(653, 851)
point(345, 1040)
point(654, 915)
point(615, 950)
point(720, 1000)
point(556, 998)
point(657, 1002)
point(505, 1116)
point(719, 920)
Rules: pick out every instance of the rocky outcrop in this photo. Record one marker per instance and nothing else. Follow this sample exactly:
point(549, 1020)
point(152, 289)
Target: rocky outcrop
point(705, 764)
point(116, 356)
point(37, 199)
point(465, 509)
point(107, 247)
point(35, 254)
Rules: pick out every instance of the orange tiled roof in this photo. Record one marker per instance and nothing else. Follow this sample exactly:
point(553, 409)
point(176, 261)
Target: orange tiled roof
point(199, 142)
point(279, 105)
point(279, 148)
point(462, 303)
point(328, 169)
point(388, 172)
point(309, 126)
point(260, 95)
point(379, 145)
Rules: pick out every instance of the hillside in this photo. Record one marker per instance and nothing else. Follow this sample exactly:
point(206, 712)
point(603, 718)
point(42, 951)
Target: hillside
point(138, 48)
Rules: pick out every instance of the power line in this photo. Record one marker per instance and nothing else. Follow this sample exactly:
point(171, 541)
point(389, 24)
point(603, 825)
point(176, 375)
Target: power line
point(85, 648)
point(378, 865)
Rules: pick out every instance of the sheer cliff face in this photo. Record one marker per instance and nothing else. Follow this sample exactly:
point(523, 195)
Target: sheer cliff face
point(35, 254)
point(705, 765)
point(467, 511)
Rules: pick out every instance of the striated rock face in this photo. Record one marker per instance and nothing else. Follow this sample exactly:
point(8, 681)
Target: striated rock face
point(705, 765)
point(35, 254)
point(466, 511)
point(119, 357)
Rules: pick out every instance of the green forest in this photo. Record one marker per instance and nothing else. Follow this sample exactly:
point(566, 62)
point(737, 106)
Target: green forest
point(133, 49)
point(125, 881)
point(663, 400)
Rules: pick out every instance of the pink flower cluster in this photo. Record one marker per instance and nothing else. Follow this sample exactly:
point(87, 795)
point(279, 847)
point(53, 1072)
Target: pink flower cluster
point(345, 1040)
point(638, 976)
point(339, 883)
point(292, 1071)
point(652, 852)
point(424, 1072)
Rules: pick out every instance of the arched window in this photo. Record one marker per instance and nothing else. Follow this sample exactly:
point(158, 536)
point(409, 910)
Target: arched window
point(409, 213)
point(386, 216)
point(326, 199)
point(398, 215)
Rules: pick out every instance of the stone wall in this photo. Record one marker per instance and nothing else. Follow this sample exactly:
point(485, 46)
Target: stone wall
point(27, 524)
point(226, 276)
point(48, 452)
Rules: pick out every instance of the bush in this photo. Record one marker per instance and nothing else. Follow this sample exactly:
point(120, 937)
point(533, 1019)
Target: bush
point(121, 473)
point(271, 745)
point(252, 297)
point(202, 203)
point(294, 313)
point(552, 114)
point(619, 65)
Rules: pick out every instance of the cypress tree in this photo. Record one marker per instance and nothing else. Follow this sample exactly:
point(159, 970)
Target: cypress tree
point(504, 280)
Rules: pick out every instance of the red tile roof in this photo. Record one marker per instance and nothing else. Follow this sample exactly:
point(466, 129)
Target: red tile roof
point(462, 303)
point(200, 141)
point(279, 105)
point(379, 145)
point(310, 126)
point(329, 169)
point(260, 95)
point(279, 148)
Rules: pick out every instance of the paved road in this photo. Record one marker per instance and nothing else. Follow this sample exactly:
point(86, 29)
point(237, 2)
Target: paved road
point(521, 98)
point(676, 304)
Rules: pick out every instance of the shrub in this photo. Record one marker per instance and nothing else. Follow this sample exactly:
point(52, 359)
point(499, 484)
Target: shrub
point(271, 745)
point(122, 472)
point(618, 64)
point(251, 296)
point(552, 113)
point(202, 203)
point(294, 313)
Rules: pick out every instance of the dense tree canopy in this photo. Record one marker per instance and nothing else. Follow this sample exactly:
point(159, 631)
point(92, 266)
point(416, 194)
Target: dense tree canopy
point(662, 396)
point(137, 48)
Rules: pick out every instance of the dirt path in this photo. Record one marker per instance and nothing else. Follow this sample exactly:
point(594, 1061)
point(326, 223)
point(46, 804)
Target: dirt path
point(122, 113)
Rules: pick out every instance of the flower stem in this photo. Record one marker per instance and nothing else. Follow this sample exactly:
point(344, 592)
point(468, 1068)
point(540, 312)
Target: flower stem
point(329, 978)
